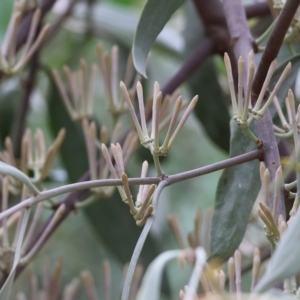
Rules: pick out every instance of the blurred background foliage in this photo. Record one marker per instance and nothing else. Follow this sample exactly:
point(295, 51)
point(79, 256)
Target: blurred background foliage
point(106, 230)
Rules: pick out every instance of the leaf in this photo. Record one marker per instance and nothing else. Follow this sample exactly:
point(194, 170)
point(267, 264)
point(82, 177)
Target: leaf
point(10, 94)
point(236, 193)
point(6, 169)
point(288, 83)
point(155, 15)
point(285, 259)
point(118, 23)
point(211, 108)
point(7, 286)
point(153, 277)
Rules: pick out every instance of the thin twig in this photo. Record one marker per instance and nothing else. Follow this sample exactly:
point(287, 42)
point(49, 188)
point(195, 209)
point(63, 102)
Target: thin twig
point(20, 118)
point(259, 9)
point(205, 49)
point(141, 241)
point(274, 43)
point(255, 154)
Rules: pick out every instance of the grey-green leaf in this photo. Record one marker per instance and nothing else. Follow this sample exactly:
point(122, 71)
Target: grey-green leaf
point(7, 286)
point(153, 277)
point(285, 260)
point(6, 169)
point(155, 15)
point(237, 190)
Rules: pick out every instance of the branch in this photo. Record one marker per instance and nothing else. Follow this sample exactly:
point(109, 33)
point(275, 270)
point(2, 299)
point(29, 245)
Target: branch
point(243, 44)
point(20, 118)
point(79, 191)
point(259, 9)
point(84, 185)
point(206, 48)
point(59, 22)
point(274, 43)
point(141, 241)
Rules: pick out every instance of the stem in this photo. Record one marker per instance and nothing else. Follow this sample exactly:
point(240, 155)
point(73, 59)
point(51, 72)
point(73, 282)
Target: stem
point(274, 43)
point(230, 162)
point(20, 119)
point(259, 9)
point(256, 154)
point(157, 165)
point(237, 25)
point(140, 243)
point(265, 34)
point(194, 61)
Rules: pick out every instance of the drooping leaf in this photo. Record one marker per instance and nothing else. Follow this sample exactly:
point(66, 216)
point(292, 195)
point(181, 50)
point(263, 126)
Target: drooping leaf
point(7, 286)
point(237, 190)
point(155, 15)
point(6, 169)
point(211, 108)
point(285, 259)
point(117, 23)
point(153, 277)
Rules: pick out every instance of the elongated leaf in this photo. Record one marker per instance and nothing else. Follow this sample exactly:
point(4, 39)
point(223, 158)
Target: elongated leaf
point(7, 286)
point(6, 169)
point(153, 277)
point(285, 260)
point(155, 15)
point(237, 190)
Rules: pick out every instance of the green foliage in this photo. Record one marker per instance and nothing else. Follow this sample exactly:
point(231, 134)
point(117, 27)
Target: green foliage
point(152, 280)
point(237, 190)
point(6, 289)
point(157, 13)
point(285, 259)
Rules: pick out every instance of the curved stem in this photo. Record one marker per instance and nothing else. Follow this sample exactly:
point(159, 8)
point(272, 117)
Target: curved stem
point(139, 245)
point(42, 196)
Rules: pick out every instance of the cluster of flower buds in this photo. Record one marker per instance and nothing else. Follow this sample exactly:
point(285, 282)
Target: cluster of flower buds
point(35, 158)
point(273, 229)
point(50, 283)
point(200, 234)
point(100, 170)
point(141, 209)
point(291, 124)
point(243, 112)
point(8, 250)
point(151, 141)
point(10, 62)
point(79, 97)
point(109, 65)
point(213, 279)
